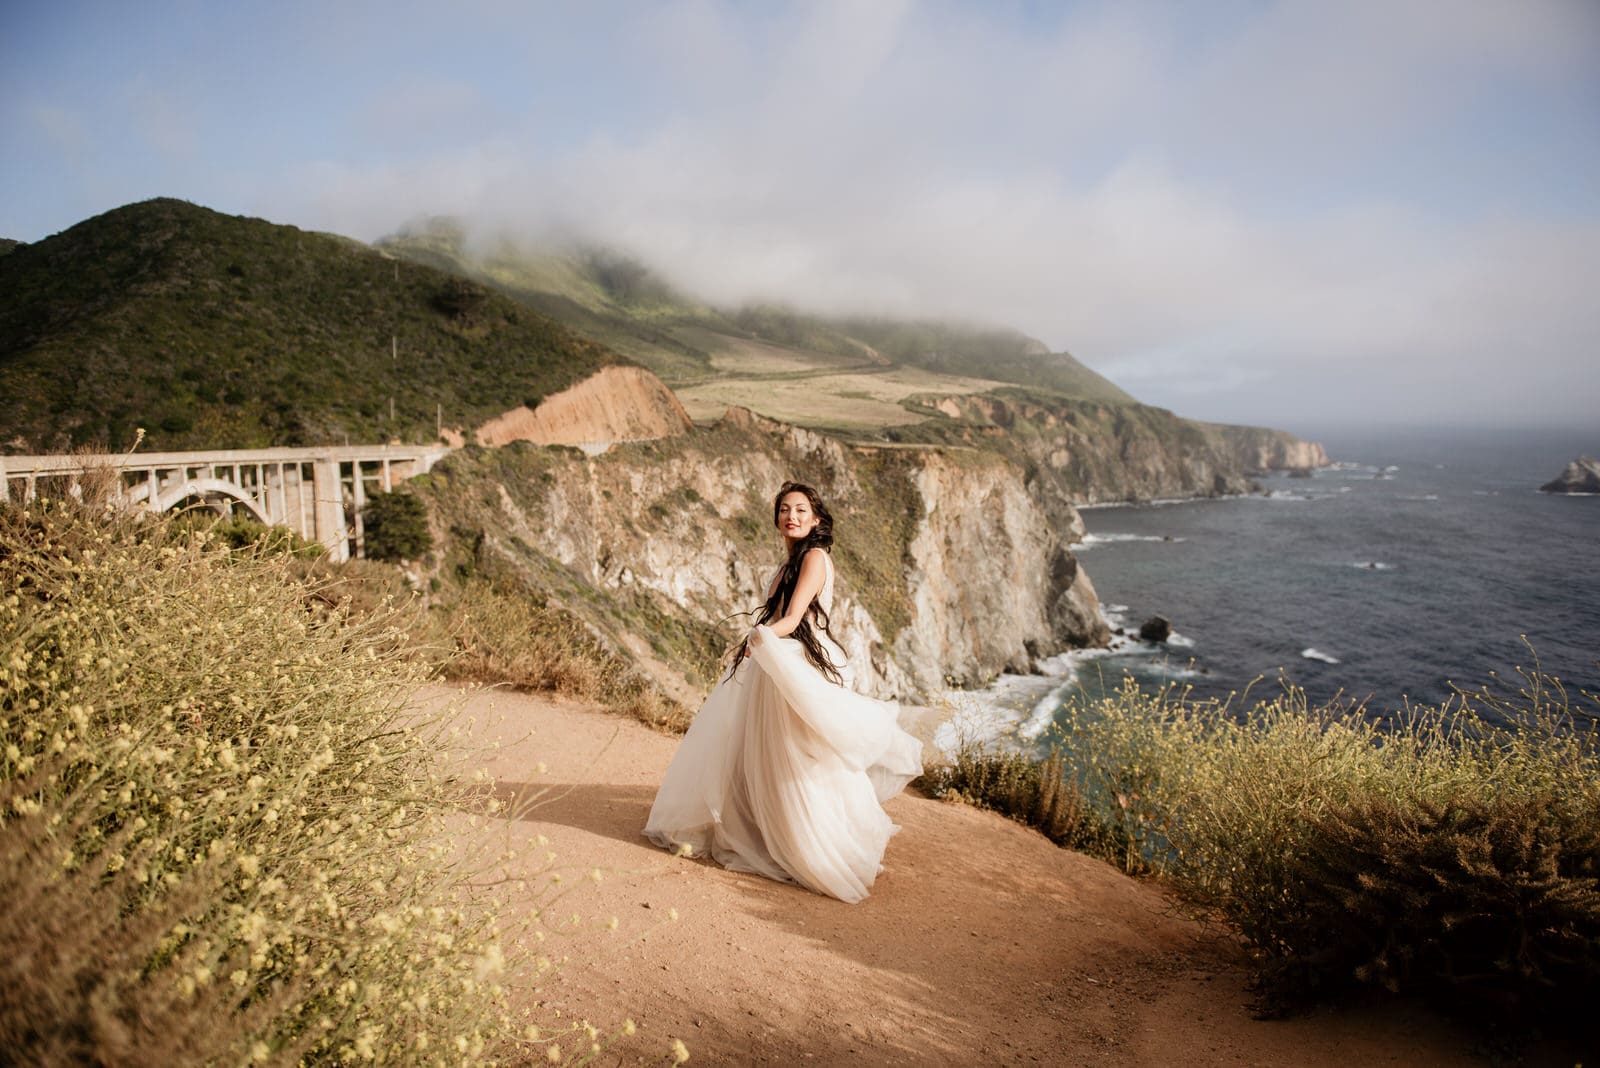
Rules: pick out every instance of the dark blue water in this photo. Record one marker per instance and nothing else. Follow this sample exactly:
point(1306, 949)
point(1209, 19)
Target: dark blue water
point(1420, 562)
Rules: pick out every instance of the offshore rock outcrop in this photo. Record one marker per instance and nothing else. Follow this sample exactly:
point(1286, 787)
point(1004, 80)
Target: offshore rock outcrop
point(1581, 476)
point(947, 564)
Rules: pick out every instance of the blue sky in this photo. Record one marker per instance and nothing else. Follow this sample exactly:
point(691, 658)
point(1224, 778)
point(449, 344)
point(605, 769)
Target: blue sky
point(1261, 212)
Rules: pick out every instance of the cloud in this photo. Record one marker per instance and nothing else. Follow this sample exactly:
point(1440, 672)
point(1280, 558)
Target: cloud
point(166, 122)
point(63, 129)
point(1202, 209)
point(421, 112)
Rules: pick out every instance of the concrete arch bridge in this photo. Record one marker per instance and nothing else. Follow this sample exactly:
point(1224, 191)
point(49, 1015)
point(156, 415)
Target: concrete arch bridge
point(319, 493)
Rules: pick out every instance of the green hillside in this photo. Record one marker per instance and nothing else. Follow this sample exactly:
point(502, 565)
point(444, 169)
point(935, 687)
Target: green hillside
point(211, 330)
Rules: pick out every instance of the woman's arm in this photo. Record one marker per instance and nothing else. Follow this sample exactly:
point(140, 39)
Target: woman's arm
point(813, 573)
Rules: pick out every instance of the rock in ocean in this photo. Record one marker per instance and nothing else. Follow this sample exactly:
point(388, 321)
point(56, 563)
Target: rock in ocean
point(1581, 476)
point(1155, 629)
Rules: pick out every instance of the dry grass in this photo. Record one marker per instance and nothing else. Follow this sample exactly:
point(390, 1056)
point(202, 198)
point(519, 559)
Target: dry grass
point(827, 401)
point(1037, 792)
point(495, 637)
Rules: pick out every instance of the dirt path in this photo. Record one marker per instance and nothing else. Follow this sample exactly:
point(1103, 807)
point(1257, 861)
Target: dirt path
point(981, 944)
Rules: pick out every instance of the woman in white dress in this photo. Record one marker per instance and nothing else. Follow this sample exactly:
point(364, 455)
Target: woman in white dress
point(785, 769)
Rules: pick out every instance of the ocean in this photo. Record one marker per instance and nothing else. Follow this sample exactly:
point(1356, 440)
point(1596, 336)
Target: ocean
point(1422, 561)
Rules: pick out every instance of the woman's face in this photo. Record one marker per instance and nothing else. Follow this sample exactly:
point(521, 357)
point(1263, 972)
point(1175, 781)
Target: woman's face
point(795, 517)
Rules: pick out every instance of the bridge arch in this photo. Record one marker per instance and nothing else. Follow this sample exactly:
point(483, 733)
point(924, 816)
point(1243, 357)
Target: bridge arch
point(207, 490)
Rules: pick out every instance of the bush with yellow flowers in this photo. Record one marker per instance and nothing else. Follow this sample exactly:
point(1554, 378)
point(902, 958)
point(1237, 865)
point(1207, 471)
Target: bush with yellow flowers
point(1450, 851)
point(221, 819)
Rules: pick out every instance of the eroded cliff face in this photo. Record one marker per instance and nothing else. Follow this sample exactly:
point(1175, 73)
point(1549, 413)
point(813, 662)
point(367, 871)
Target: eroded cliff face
point(984, 553)
point(613, 404)
point(947, 565)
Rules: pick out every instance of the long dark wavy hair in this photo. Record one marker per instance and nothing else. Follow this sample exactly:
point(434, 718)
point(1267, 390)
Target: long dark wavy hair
point(815, 620)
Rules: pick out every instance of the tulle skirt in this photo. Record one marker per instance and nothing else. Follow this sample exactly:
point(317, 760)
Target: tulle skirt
point(784, 773)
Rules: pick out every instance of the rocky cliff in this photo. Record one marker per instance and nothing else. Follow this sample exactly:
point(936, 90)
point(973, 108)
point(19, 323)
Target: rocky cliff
point(948, 566)
point(1081, 452)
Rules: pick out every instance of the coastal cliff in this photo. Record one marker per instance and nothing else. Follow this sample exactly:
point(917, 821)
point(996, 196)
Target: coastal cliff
point(948, 567)
point(952, 555)
point(1077, 452)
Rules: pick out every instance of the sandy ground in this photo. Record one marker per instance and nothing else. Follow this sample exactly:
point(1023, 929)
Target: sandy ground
point(982, 943)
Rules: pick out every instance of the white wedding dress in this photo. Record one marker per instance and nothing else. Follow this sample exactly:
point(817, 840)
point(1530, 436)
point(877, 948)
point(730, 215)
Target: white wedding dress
point(784, 773)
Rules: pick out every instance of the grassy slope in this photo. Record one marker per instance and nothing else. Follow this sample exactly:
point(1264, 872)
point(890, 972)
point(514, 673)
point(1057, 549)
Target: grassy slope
point(947, 348)
point(211, 330)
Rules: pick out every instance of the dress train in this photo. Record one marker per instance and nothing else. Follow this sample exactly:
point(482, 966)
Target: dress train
point(784, 772)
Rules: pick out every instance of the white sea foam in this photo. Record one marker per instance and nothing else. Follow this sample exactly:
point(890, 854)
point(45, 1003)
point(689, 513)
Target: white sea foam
point(1019, 708)
point(1043, 714)
point(1318, 654)
point(1417, 496)
point(1091, 540)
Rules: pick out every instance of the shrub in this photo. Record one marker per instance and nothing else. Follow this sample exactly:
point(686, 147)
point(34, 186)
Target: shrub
point(1034, 791)
point(243, 532)
point(1441, 853)
point(395, 527)
point(222, 825)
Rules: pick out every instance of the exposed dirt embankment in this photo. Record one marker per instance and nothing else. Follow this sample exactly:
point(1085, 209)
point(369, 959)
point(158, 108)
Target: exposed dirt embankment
point(613, 404)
